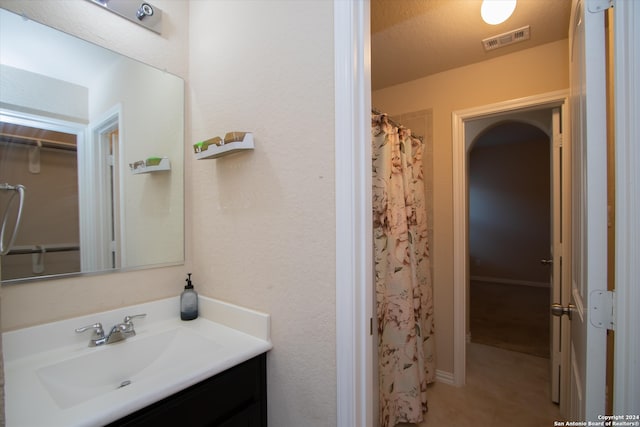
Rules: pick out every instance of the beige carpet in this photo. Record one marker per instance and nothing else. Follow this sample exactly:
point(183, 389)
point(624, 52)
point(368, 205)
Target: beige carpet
point(511, 317)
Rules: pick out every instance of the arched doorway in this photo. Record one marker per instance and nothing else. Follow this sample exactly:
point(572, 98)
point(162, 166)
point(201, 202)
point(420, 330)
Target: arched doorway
point(509, 238)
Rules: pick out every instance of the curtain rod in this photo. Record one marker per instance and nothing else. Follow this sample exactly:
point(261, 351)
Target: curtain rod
point(396, 124)
point(46, 143)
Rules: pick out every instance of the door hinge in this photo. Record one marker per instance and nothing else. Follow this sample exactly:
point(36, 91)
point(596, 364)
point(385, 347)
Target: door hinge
point(595, 6)
point(371, 326)
point(602, 309)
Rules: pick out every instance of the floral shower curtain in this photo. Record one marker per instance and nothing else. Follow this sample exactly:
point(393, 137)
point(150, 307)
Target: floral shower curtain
point(404, 292)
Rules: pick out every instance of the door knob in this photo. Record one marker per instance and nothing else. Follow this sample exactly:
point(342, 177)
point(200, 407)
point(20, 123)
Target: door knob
point(546, 261)
point(558, 310)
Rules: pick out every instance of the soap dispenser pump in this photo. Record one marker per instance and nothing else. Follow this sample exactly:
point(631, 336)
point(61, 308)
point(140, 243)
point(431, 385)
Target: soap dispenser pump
point(188, 301)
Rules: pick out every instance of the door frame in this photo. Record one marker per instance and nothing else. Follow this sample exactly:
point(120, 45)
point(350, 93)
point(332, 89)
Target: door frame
point(94, 233)
point(547, 120)
point(355, 401)
point(460, 210)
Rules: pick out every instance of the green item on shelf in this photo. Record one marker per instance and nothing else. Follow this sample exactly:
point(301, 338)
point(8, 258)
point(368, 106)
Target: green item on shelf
point(153, 161)
point(197, 147)
point(204, 145)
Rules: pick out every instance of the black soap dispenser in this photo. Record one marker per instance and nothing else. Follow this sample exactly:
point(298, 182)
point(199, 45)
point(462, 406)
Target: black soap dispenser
point(188, 301)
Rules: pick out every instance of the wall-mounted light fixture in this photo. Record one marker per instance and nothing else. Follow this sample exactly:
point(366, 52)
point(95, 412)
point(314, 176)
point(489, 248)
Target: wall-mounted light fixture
point(142, 13)
point(495, 12)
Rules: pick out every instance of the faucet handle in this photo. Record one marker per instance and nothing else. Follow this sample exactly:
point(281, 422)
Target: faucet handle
point(97, 329)
point(128, 324)
point(127, 319)
point(97, 337)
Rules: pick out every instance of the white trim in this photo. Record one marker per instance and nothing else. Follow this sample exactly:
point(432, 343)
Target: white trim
point(354, 253)
point(627, 269)
point(514, 282)
point(460, 258)
point(460, 250)
point(95, 196)
point(42, 121)
point(445, 377)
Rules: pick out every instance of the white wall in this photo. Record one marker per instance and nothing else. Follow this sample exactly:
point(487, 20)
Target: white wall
point(22, 91)
point(510, 209)
point(263, 222)
point(152, 221)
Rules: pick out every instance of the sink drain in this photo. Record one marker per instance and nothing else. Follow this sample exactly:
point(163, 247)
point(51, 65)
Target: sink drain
point(124, 383)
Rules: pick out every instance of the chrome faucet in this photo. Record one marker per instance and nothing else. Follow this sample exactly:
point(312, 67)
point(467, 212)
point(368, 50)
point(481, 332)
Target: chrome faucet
point(123, 330)
point(119, 332)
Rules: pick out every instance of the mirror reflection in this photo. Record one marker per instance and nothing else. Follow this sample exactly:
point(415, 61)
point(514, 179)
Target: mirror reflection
point(73, 118)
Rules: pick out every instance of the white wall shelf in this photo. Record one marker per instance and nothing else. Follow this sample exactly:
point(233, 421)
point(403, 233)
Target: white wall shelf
point(164, 165)
point(215, 151)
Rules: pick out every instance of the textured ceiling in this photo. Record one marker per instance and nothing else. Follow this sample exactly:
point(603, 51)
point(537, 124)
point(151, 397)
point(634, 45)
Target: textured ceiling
point(415, 38)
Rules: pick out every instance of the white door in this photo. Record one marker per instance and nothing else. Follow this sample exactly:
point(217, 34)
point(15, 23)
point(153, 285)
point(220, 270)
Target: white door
point(589, 209)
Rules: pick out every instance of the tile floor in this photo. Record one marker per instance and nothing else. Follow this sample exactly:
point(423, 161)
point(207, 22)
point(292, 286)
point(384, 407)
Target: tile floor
point(504, 389)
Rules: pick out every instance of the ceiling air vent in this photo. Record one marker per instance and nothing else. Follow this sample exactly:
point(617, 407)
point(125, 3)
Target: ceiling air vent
point(505, 39)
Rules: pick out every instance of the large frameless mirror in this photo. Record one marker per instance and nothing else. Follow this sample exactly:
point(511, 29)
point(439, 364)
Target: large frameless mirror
point(96, 141)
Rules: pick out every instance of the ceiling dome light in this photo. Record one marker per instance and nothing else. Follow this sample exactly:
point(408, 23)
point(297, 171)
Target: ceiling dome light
point(495, 12)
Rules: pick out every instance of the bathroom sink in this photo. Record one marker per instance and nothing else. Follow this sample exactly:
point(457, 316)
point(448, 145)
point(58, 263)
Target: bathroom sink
point(54, 379)
point(109, 368)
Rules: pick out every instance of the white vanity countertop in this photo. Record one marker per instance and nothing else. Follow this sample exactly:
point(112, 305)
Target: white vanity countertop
point(237, 334)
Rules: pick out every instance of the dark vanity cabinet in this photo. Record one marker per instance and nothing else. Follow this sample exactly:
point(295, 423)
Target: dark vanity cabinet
point(236, 397)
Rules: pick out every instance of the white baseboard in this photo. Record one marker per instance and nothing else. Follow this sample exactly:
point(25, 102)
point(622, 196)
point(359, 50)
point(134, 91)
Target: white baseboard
point(510, 281)
point(444, 377)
